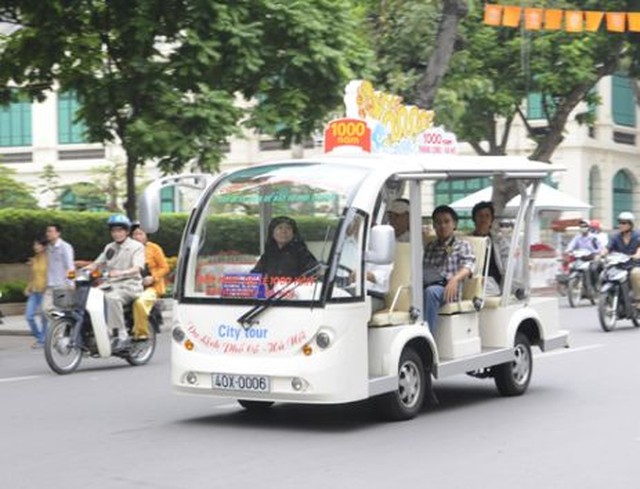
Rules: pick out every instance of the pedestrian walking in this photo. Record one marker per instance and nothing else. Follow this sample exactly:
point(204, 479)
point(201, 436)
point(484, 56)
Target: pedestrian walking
point(35, 292)
point(59, 263)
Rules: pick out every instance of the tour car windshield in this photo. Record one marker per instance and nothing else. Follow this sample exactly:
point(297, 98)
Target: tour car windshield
point(268, 230)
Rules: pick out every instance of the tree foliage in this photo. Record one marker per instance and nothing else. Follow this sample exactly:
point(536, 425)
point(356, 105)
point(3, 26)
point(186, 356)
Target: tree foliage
point(493, 69)
point(163, 76)
point(14, 194)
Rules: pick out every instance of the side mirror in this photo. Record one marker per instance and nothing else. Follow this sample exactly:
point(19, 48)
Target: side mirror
point(149, 208)
point(382, 245)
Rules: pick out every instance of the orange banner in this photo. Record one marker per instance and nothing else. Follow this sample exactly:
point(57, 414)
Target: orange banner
point(492, 14)
point(511, 16)
point(552, 19)
point(532, 18)
point(616, 21)
point(634, 21)
point(573, 20)
point(593, 20)
point(347, 132)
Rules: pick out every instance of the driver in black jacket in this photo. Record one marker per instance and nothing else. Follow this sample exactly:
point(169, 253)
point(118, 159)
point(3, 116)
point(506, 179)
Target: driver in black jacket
point(285, 254)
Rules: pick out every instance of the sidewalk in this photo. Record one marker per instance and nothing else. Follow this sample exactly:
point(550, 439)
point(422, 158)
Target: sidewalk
point(14, 325)
point(17, 325)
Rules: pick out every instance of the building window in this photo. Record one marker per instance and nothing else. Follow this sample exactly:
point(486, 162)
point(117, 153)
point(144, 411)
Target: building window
point(70, 131)
point(535, 110)
point(594, 191)
point(82, 196)
point(167, 199)
point(623, 104)
point(15, 124)
point(622, 193)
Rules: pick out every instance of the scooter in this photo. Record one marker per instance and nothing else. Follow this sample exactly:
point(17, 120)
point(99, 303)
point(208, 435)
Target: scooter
point(616, 296)
point(78, 327)
point(582, 282)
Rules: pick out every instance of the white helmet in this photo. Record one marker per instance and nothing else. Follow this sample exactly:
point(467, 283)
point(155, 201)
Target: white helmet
point(626, 216)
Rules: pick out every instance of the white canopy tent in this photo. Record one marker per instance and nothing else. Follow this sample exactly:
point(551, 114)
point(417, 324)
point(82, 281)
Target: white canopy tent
point(547, 199)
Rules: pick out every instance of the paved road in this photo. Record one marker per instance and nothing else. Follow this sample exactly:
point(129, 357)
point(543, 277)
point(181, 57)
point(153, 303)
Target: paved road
point(113, 426)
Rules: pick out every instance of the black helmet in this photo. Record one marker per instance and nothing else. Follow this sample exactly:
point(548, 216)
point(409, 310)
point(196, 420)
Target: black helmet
point(134, 225)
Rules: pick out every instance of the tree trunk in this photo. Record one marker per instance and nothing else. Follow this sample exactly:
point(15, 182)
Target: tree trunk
point(452, 13)
point(130, 204)
point(503, 191)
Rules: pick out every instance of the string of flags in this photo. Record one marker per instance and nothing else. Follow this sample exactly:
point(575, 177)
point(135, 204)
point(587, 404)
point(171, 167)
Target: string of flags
point(535, 18)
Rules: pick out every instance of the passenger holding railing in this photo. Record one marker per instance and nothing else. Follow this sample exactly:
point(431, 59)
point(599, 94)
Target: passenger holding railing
point(483, 215)
point(447, 262)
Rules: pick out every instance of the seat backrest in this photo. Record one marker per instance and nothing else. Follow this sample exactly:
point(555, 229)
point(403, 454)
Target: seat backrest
point(400, 278)
point(481, 247)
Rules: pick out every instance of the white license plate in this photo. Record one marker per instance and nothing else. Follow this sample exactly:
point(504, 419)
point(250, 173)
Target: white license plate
point(231, 382)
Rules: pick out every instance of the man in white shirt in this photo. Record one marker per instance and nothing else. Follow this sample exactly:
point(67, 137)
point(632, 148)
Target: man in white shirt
point(376, 276)
point(398, 215)
point(60, 261)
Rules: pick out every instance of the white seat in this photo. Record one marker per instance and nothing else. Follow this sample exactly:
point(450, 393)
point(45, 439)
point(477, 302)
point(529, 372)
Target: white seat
point(472, 288)
point(398, 299)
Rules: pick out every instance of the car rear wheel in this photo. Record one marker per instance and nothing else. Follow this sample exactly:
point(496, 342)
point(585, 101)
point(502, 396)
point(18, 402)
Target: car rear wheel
point(512, 379)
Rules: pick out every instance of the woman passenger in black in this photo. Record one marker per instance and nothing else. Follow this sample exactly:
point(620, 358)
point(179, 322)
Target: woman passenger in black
point(285, 254)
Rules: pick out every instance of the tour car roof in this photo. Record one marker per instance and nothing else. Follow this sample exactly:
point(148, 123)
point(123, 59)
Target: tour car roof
point(421, 166)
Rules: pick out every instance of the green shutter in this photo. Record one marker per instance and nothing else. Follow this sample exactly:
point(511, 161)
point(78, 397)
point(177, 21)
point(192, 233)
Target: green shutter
point(534, 106)
point(622, 194)
point(167, 199)
point(623, 103)
point(15, 124)
point(69, 131)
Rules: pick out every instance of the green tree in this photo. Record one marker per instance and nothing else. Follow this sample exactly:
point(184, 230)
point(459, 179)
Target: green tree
point(14, 194)
point(491, 75)
point(493, 69)
point(50, 183)
point(163, 76)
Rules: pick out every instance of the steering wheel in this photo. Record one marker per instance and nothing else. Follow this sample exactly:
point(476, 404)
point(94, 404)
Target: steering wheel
point(346, 269)
point(343, 276)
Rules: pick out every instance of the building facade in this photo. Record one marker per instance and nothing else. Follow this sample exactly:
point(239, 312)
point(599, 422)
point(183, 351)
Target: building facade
point(602, 161)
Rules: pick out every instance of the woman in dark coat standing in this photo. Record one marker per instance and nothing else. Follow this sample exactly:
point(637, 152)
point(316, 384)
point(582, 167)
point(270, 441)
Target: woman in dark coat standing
point(285, 254)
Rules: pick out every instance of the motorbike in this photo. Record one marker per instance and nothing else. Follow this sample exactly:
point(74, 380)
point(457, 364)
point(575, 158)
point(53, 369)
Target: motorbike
point(616, 299)
point(78, 327)
point(582, 282)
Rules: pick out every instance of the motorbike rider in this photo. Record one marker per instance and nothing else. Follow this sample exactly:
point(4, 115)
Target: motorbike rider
point(627, 241)
point(585, 240)
point(123, 261)
point(596, 229)
point(156, 269)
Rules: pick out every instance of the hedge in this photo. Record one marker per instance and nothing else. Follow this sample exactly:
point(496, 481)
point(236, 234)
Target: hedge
point(88, 232)
point(13, 291)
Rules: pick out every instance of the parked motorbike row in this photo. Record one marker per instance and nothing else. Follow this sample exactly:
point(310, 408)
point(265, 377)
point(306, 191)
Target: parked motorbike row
point(79, 328)
point(603, 282)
